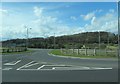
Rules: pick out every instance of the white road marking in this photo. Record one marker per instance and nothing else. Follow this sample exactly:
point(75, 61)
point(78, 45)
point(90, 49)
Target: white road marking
point(27, 65)
point(12, 63)
point(6, 68)
point(53, 68)
point(102, 68)
point(40, 67)
point(32, 65)
point(56, 65)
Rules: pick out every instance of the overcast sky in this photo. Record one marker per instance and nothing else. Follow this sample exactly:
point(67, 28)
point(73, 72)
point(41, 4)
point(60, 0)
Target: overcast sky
point(63, 18)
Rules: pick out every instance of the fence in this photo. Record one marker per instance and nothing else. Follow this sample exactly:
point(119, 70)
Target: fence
point(91, 52)
point(16, 49)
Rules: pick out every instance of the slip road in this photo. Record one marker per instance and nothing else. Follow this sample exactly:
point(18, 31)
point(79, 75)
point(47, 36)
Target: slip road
point(38, 66)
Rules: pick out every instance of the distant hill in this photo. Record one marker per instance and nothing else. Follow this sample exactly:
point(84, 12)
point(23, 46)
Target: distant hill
point(90, 39)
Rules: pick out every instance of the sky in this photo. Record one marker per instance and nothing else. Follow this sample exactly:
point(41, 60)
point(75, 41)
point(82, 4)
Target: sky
point(44, 19)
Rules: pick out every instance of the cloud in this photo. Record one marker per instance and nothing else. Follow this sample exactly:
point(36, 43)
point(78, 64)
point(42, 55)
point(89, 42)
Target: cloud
point(93, 20)
point(38, 11)
point(107, 22)
point(43, 25)
point(111, 10)
point(73, 18)
point(3, 11)
point(88, 16)
point(48, 25)
point(99, 10)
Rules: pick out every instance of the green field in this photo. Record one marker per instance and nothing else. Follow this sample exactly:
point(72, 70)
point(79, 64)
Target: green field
point(58, 52)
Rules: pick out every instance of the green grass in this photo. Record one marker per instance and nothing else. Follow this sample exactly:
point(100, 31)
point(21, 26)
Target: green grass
point(58, 52)
point(28, 51)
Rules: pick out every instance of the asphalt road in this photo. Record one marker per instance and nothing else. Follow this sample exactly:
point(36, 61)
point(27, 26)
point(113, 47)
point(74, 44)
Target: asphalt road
point(38, 66)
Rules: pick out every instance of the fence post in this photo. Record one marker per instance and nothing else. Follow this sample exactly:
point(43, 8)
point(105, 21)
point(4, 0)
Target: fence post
point(73, 50)
point(78, 51)
point(105, 52)
point(86, 51)
point(94, 52)
point(61, 50)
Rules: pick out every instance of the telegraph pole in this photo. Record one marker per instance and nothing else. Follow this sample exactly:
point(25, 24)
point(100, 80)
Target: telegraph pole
point(27, 39)
point(118, 29)
point(99, 42)
point(54, 40)
point(108, 38)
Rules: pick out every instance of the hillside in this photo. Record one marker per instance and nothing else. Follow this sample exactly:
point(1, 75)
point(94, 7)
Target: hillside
point(90, 39)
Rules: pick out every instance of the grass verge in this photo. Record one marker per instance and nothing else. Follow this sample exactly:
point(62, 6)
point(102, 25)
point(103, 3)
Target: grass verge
point(58, 53)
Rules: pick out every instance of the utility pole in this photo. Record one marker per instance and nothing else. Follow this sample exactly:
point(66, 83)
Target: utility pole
point(54, 40)
point(108, 38)
point(118, 29)
point(46, 37)
point(99, 42)
point(27, 39)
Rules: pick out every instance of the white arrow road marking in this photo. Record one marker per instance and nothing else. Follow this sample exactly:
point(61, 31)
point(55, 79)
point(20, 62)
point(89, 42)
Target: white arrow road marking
point(27, 65)
point(12, 63)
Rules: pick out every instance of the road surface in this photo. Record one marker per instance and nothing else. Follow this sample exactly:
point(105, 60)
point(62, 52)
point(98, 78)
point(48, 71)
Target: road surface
point(39, 66)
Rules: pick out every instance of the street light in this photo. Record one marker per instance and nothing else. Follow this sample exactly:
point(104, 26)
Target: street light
point(27, 39)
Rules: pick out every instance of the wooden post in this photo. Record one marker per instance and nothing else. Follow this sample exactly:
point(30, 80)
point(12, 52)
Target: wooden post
point(94, 52)
point(73, 50)
point(86, 51)
point(78, 51)
point(106, 52)
point(61, 50)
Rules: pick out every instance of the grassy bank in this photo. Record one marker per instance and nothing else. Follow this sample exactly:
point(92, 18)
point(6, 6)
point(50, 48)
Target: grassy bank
point(59, 53)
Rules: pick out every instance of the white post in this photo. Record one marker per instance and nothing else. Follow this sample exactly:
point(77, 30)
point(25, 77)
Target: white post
point(94, 52)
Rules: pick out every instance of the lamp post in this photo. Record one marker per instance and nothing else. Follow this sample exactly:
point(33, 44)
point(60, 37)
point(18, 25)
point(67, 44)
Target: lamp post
point(27, 39)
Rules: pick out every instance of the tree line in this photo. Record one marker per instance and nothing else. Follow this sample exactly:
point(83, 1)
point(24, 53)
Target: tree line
point(86, 39)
